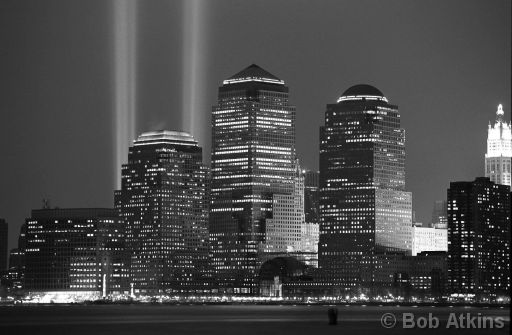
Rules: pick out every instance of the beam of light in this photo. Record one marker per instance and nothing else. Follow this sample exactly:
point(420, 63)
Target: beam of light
point(125, 80)
point(194, 67)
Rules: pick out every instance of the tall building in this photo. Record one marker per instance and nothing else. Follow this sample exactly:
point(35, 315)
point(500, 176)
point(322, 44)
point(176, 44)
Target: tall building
point(78, 250)
point(499, 150)
point(4, 240)
point(253, 159)
point(364, 208)
point(164, 203)
point(479, 237)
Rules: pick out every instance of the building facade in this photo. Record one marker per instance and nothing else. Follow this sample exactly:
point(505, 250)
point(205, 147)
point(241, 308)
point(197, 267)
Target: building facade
point(429, 239)
point(76, 250)
point(364, 208)
point(499, 150)
point(479, 237)
point(164, 203)
point(253, 159)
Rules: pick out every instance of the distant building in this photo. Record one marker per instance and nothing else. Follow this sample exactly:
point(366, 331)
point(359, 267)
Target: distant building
point(283, 230)
point(164, 203)
point(312, 196)
point(429, 239)
point(253, 169)
point(4, 230)
point(78, 250)
point(287, 234)
point(364, 208)
point(16, 272)
point(310, 234)
point(479, 237)
point(499, 150)
point(439, 215)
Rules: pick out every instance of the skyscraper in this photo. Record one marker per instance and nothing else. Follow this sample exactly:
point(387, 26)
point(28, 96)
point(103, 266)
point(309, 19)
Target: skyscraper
point(163, 200)
point(479, 237)
point(499, 150)
point(4, 229)
point(77, 250)
point(364, 208)
point(253, 158)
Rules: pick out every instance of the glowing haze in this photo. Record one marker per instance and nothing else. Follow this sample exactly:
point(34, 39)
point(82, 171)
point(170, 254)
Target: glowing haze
point(193, 66)
point(125, 81)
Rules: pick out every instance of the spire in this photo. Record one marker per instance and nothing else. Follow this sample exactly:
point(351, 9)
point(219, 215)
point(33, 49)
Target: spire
point(500, 110)
point(500, 113)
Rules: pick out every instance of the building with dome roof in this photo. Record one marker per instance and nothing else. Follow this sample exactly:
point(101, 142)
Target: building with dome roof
point(364, 208)
point(499, 150)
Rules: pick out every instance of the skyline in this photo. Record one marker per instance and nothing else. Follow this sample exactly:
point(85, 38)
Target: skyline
point(47, 158)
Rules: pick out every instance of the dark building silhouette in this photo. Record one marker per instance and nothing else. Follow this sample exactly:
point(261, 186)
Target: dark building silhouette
point(479, 237)
point(4, 232)
point(253, 158)
point(164, 203)
point(77, 249)
point(439, 214)
point(311, 196)
point(16, 271)
point(364, 207)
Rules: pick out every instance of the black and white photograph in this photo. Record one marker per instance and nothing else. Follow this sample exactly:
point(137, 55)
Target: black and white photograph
point(255, 167)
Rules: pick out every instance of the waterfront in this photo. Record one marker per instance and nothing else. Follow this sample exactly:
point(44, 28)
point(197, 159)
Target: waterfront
point(150, 319)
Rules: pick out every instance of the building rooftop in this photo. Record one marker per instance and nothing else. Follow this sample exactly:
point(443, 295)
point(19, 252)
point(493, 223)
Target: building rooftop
point(253, 73)
point(362, 92)
point(165, 136)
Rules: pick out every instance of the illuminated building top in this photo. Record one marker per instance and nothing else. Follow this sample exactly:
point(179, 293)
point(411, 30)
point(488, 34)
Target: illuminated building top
point(253, 73)
point(499, 139)
point(498, 159)
point(165, 136)
point(362, 92)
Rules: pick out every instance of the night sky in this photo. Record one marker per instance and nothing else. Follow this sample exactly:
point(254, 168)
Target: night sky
point(446, 64)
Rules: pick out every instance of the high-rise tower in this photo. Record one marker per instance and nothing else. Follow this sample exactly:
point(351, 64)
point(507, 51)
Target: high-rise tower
point(253, 158)
point(364, 208)
point(499, 150)
point(479, 237)
point(163, 200)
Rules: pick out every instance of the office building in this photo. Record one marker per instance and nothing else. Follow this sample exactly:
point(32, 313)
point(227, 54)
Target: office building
point(253, 159)
point(164, 203)
point(75, 250)
point(364, 208)
point(429, 239)
point(479, 237)
point(499, 150)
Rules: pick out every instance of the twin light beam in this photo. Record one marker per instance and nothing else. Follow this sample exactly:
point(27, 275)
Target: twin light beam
point(125, 74)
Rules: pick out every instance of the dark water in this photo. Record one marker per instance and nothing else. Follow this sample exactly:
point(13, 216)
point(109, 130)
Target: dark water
point(232, 319)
